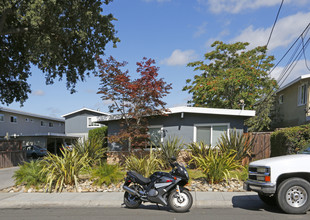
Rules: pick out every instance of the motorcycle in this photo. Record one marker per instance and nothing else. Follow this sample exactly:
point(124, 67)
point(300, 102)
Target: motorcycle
point(167, 189)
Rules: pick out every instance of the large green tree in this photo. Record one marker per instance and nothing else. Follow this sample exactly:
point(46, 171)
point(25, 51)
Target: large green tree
point(60, 37)
point(230, 74)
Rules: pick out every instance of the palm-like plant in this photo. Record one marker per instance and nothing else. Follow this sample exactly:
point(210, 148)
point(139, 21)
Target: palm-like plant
point(198, 148)
point(237, 142)
point(29, 174)
point(93, 148)
point(217, 165)
point(170, 148)
point(144, 165)
point(63, 170)
point(106, 174)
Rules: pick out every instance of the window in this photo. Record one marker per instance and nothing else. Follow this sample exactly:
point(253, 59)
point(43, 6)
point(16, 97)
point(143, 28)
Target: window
point(43, 124)
point(50, 124)
point(27, 120)
point(209, 133)
point(1, 117)
point(156, 134)
point(13, 119)
point(281, 99)
point(91, 122)
point(302, 94)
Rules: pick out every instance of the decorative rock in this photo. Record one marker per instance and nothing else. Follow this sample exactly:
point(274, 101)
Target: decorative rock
point(85, 185)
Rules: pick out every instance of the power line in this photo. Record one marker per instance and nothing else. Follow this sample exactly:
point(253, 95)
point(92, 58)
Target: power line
point(274, 23)
point(304, 52)
point(294, 63)
point(304, 32)
point(288, 68)
point(271, 32)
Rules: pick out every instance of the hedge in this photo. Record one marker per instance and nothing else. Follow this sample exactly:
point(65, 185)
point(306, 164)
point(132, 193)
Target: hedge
point(99, 134)
point(289, 140)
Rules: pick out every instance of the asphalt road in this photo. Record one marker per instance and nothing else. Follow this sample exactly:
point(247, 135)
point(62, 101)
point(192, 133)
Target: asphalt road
point(252, 212)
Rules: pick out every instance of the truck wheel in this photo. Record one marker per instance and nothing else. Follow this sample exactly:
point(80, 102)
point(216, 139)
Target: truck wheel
point(267, 199)
point(293, 196)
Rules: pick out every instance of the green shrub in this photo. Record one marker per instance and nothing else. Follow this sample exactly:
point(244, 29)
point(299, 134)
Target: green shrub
point(93, 148)
point(289, 140)
point(237, 142)
point(170, 148)
point(196, 149)
point(99, 134)
point(145, 165)
point(217, 165)
point(30, 174)
point(63, 170)
point(106, 174)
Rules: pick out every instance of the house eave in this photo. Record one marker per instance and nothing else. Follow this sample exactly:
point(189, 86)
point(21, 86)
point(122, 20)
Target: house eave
point(13, 111)
point(192, 110)
point(85, 109)
point(307, 76)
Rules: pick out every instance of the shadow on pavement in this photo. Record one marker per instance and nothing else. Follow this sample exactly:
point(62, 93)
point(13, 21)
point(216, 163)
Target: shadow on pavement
point(252, 202)
point(152, 207)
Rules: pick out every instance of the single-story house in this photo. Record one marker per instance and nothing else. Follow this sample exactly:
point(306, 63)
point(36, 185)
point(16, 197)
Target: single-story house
point(190, 124)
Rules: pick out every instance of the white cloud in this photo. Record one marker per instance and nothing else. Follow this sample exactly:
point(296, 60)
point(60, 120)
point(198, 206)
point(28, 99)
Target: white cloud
point(236, 6)
point(39, 93)
point(298, 70)
point(200, 30)
point(53, 112)
point(286, 30)
point(179, 58)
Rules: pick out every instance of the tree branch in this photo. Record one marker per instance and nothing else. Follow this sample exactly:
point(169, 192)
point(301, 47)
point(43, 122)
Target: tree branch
point(13, 31)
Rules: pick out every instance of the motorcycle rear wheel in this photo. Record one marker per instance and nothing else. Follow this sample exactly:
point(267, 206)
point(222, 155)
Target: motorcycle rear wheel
point(180, 202)
point(132, 201)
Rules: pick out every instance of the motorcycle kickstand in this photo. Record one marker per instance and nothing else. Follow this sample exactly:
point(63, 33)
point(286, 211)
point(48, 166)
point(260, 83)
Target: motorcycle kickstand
point(158, 206)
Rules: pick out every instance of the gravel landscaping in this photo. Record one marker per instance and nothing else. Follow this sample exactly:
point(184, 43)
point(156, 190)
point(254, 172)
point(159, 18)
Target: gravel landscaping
point(87, 186)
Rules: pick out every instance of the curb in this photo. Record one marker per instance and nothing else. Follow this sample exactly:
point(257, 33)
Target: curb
point(114, 199)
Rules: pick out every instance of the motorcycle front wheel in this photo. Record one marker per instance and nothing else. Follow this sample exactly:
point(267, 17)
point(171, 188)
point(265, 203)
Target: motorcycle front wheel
point(132, 201)
point(180, 201)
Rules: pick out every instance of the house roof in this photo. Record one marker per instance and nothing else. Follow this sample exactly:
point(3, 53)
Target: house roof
point(212, 111)
point(85, 109)
point(13, 111)
point(294, 81)
point(193, 110)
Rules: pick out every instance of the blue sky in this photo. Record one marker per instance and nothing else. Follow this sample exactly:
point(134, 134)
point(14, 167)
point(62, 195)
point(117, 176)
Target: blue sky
point(175, 32)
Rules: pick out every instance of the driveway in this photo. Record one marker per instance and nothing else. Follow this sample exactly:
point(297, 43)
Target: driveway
point(6, 179)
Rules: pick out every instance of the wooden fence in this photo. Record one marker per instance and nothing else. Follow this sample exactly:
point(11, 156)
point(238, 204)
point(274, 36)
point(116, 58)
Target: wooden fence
point(262, 147)
point(11, 153)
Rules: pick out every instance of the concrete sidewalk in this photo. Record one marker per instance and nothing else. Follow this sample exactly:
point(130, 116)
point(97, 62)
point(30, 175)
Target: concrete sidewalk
point(115, 199)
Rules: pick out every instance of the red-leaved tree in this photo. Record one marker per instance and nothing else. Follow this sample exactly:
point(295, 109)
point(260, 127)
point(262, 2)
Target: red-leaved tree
point(134, 100)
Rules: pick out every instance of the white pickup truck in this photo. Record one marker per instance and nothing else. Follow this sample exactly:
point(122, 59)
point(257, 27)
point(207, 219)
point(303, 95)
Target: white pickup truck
point(282, 181)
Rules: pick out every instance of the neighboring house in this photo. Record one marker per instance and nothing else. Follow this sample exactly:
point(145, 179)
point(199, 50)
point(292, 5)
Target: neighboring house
point(190, 124)
point(79, 122)
point(33, 129)
point(292, 108)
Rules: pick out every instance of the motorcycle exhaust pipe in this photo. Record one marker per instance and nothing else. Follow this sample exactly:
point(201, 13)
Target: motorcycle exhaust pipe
point(131, 191)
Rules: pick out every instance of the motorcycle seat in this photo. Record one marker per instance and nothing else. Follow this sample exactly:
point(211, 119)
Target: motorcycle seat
point(140, 179)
